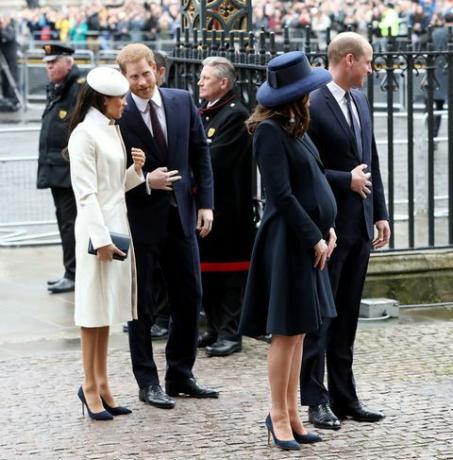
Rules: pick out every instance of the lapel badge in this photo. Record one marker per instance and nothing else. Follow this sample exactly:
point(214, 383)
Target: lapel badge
point(211, 132)
point(62, 114)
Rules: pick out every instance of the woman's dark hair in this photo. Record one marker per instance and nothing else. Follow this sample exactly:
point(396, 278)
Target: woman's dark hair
point(293, 117)
point(86, 99)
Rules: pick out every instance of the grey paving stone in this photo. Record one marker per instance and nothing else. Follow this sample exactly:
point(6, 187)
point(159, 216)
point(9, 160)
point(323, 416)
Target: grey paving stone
point(406, 370)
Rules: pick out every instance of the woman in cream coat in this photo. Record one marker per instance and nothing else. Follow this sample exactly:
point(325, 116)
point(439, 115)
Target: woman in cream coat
point(105, 291)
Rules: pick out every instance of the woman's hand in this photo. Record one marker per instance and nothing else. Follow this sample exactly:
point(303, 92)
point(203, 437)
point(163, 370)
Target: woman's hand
point(138, 157)
point(331, 242)
point(321, 249)
point(105, 253)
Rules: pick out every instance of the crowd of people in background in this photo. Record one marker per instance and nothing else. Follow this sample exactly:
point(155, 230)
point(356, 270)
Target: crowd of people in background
point(138, 20)
point(131, 20)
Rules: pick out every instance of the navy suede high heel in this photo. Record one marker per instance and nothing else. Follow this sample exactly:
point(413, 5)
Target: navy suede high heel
point(104, 415)
point(118, 410)
point(285, 445)
point(308, 438)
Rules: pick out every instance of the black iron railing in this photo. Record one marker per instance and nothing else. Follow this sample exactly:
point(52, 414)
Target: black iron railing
point(416, 161)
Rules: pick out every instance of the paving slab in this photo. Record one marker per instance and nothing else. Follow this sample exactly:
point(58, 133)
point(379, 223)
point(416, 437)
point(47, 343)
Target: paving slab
point(403, 367)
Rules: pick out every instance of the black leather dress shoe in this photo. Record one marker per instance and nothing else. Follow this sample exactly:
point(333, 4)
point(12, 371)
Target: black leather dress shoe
point(52, 282)
point(158, 332)
point(155, 396)
point(264, 338)
point(63, 285)
point(223, 347)
point(357, 412)
point(206, 339)
point(322, 417)
point(189, 387)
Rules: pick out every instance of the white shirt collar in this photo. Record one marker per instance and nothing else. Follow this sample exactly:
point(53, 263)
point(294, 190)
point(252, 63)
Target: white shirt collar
point(142, 104)
point(97, 117)
point(337, 91)
point(210, 104)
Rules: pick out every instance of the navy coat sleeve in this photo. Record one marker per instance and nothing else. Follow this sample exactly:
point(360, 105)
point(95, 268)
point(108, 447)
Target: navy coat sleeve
point(272, 160)
point(339, 179)
point(379, 206)
point(200, 160)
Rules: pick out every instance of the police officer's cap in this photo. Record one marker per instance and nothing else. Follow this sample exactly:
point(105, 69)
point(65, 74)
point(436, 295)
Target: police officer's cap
point(108, 81)
point(54, 51)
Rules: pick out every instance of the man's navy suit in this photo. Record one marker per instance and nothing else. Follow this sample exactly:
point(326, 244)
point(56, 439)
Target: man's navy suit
point(163, 232)
point(356, 216)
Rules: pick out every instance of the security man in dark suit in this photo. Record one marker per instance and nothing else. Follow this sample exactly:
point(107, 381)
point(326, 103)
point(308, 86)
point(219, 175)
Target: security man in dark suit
point(53, 167)
point(8, 47)
point(164, 214)
point(341, 128)
point(440, 43)
point(225, 253)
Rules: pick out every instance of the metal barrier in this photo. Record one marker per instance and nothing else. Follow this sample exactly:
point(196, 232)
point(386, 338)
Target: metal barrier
point(35, 77)
point(106, 57)
point(27, 215)
point(95, 45)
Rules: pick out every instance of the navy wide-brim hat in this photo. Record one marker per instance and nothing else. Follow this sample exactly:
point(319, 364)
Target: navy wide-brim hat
point(289, 77)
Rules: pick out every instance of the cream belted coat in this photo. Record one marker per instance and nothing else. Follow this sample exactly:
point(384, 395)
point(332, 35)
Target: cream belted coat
point(105, 292)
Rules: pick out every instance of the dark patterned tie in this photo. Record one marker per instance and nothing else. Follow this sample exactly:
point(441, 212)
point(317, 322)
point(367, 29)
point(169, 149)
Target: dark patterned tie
point(354, 124)
point(158, 134)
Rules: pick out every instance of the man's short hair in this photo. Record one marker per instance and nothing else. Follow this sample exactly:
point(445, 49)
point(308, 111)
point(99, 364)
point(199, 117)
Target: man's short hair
point(346, 43)
point(161, 59)
point(223, 68)
point(133, 53)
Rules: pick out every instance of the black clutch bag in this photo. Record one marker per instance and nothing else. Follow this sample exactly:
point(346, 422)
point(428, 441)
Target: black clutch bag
point(122, 242)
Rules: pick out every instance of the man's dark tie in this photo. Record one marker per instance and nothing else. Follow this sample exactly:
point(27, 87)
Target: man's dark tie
point(158, 135)
point(354, 124)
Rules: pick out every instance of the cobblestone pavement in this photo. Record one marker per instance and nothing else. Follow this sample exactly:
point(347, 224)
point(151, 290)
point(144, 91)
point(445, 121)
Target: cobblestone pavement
point(404, 369)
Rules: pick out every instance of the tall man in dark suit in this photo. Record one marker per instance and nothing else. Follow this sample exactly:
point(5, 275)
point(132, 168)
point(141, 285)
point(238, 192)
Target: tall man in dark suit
point(440, 43)
point(166, 125)
point(8, 47)
point(341, 128)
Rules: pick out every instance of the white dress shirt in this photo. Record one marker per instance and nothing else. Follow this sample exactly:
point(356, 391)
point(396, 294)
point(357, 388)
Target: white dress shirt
point(339, 94)
point(143, 108)
point(211, 103)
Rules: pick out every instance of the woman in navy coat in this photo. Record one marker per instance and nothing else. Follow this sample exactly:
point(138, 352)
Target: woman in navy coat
point(288, 290)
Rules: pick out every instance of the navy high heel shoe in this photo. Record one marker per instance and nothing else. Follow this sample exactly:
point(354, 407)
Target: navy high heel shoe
point(118, 410)
point(308, 438)
point(104, 415)
point(285, 445)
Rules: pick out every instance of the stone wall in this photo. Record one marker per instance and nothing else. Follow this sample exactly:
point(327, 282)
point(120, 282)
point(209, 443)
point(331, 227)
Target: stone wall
point(411, 278)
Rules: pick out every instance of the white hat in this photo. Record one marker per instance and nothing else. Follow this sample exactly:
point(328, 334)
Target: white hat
point(108, 81)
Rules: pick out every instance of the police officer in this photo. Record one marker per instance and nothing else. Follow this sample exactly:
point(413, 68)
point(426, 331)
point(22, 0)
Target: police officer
point(225, 253)
point(53, 166)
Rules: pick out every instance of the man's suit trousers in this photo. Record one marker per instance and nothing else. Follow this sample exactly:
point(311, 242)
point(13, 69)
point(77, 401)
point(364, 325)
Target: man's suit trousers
point(66, 212)
point(178, 257)
point(335, 339)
